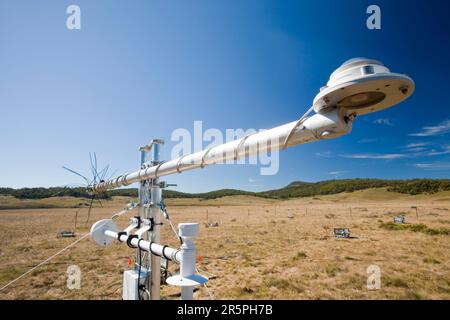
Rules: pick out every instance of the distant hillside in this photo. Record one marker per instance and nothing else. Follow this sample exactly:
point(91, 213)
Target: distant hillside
point(304, 189)
point(293, 190)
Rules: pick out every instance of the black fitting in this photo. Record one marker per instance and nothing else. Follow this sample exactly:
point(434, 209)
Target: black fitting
point(139, 221)
point(153, 224)
point(121, 233)
point(139, 241)
point(150, 248)
point(131, 237)
point(163, 253)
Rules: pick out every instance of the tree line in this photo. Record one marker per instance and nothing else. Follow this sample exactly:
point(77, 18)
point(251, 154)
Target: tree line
point(293, 190)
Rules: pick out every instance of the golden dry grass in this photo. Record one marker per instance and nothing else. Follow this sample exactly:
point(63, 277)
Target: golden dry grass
point(262, 248)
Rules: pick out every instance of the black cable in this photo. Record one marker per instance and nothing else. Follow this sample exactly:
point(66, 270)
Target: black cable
point(139, 273)
point(143, 286)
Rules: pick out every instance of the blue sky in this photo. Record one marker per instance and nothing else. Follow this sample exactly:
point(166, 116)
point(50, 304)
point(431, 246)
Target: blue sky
point(140, 69)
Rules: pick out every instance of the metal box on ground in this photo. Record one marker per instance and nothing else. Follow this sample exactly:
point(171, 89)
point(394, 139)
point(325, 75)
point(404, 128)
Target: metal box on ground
point(66, 234)
point(399, 219)
point(130, 283)
point(342, 232)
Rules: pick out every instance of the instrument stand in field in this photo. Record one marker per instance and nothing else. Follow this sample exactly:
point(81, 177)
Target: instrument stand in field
point(144, 234)
point(358, 87)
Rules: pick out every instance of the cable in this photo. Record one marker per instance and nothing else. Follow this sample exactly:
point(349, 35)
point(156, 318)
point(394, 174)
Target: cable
point(163, 209)
point(139, 273)
point(44, 262)
point(129, 207)
point(209, 273)
point(211, 296)
point(174, 231)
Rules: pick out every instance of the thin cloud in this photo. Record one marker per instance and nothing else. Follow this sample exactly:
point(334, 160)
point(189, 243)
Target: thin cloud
point(412, 150)
point(423, 149)
point(418, 149)
point(325, 154)
point(337, 173)
point(388, 156)
point(444, 150)
point(417, 145)
point(367, 140)
point(440, 129)
point(433, 166)
point(384, 121)
point(253, 183)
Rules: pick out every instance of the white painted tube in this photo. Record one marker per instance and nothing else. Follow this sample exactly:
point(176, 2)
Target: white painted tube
point(188, 278)
point(319, 126)
point(154, 248)
point(188, 257)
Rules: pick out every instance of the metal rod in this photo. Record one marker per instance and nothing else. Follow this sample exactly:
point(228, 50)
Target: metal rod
point(144, 198)
point(154, 248)
point(155, 214)
point(332, 124)
point(188, 278)
point(156, 196)
point(187, 265)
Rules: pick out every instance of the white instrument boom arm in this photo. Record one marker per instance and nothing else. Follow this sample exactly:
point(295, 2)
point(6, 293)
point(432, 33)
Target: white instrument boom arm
point(328, 125)
point(358, 87)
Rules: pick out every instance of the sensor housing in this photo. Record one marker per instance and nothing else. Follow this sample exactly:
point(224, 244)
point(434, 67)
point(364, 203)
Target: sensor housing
point(362, 86)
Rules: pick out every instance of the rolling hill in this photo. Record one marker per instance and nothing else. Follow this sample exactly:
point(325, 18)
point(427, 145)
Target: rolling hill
point(293, 190)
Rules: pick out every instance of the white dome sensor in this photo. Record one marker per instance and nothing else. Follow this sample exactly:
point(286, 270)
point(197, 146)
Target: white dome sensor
point(363, 86)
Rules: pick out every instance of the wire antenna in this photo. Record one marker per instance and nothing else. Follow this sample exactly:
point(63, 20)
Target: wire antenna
point(78, 174)
point(97, 177)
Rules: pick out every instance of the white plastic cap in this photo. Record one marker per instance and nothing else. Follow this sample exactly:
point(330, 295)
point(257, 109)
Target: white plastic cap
point(188, 229)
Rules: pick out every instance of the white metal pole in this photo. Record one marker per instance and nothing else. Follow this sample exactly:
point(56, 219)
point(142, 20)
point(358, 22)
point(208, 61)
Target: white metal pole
point(332, 124)
point(187, 232)
point(358, 87)
point(155, 248)
point(144, 199)
point(155, 214)
point(156, 237)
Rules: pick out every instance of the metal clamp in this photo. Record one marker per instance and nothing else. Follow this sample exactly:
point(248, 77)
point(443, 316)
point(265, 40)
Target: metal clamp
point(297, 124)
point(157, 168)
point(131, 237)
point(241, 143)
point(135, 223)
point(150, 223)
point(202, 164)
point(179, 162)
point(147, 227)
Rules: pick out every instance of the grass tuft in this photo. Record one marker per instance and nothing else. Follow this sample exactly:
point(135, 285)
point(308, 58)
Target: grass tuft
point(396, 282)
point(299, 256)
point(415, 228)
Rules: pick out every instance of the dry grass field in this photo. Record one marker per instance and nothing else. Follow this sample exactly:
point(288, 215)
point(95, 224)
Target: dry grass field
point(265, 249)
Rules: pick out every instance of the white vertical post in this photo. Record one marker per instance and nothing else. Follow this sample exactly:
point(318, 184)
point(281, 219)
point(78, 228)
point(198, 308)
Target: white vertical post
point(188, 278)
point(187, 232)
point(187, 293)
point(156, 238)
point(156, 198)
point(144, 198)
